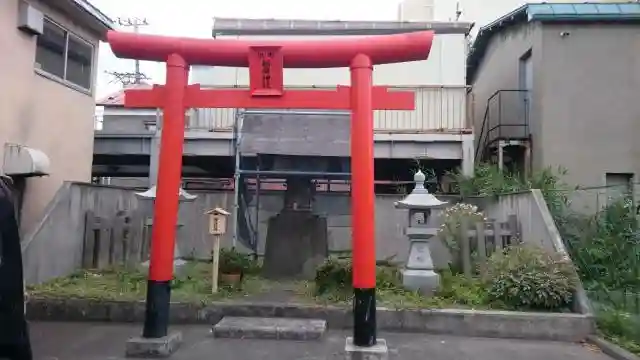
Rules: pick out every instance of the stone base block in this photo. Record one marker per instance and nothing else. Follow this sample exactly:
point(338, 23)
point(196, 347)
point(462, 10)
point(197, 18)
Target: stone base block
point(377, 352)
point(270, 328)
point(424, 281)
point(163, 347)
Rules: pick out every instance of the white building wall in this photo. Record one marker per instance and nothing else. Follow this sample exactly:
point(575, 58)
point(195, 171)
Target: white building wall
point(416, 10)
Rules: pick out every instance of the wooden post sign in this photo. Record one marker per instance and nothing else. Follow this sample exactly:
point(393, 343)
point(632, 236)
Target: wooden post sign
point(217, 227)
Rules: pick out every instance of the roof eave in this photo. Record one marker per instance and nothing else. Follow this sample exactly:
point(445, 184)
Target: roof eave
point(91, 16)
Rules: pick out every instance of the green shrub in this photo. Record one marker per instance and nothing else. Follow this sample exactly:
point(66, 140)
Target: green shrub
point(528, 277)
point(489, 180)
point(335, 275)
point(462, 290)
point(596, 240)
point(233, 262)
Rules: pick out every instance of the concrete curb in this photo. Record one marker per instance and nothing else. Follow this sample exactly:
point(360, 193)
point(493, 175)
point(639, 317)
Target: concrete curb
point(611, 349)
point(269, 328)
point(494, 324)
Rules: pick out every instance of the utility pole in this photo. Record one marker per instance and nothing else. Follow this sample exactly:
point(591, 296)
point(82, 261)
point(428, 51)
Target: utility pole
point(135, 77)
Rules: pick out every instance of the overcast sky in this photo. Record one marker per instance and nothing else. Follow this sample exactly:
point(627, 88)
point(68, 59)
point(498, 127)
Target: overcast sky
point(194, 18)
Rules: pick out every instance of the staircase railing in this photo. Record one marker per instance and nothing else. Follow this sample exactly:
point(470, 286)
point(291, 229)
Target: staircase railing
point(506, 116)
point(480, 143)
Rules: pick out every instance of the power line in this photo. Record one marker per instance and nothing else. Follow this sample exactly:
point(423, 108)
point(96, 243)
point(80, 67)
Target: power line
point(135, 77)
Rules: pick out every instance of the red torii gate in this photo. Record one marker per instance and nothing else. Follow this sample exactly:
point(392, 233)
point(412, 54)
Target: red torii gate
point(266, 60)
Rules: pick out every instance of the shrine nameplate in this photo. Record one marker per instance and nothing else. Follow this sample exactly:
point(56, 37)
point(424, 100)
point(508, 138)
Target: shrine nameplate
point(266, 76)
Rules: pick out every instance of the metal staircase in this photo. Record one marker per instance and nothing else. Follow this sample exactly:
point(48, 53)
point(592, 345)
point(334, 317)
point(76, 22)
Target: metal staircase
point(505, 136)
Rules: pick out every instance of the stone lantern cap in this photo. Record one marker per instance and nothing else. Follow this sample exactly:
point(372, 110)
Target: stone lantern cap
point(151, 194)
point(420, 198)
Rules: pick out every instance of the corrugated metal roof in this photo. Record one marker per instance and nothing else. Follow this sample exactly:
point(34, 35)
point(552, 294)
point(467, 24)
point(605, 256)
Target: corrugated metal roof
point(239, 26)
point(116, 99)
point(584, 11)
point(546, 12)
point(296, 133)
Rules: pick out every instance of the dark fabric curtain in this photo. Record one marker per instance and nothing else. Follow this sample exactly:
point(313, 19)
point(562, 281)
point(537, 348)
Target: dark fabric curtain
point(14, 336)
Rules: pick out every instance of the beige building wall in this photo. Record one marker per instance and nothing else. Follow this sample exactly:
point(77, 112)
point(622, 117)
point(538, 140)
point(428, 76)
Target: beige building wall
point(43, 112)
point(584, 113)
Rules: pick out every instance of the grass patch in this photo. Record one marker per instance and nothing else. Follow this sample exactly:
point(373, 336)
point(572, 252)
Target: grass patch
point(619, 327)
point(194, 286)
point(456, 291)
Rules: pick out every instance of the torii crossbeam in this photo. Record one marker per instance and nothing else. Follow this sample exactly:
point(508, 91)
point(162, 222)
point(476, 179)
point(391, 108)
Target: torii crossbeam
point(266, 61)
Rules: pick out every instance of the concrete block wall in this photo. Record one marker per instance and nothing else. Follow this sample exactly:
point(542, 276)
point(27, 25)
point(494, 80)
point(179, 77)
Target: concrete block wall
point(55, 247)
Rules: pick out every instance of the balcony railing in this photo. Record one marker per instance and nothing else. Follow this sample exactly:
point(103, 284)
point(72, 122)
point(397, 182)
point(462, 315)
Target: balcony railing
point(506, 117)
point(438, 109)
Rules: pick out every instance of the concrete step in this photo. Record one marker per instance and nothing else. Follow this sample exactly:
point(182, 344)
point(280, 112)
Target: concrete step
point(269, 328)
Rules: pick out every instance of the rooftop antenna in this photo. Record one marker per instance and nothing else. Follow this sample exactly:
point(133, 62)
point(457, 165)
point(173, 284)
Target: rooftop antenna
point(458, 11)
point(127, 78)
point(135, 77)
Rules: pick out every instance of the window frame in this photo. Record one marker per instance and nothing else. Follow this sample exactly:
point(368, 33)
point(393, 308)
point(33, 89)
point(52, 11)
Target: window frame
point(63, 80)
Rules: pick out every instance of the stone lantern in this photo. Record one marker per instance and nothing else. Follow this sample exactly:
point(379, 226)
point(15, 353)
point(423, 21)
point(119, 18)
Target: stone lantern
point(150, 197)
point(419, 273)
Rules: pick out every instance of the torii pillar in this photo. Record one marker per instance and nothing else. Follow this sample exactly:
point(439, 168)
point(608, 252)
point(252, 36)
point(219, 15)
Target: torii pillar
point(266, 61)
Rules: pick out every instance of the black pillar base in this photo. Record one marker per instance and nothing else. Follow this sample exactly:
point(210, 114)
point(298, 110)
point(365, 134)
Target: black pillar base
point(156, 317)
point(364, 317)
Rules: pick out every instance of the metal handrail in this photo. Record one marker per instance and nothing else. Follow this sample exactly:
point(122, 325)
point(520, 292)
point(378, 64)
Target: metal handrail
point(484, 122)
point(487, 129)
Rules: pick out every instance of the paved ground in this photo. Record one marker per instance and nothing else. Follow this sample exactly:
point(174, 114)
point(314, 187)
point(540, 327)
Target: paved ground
point(82, 341)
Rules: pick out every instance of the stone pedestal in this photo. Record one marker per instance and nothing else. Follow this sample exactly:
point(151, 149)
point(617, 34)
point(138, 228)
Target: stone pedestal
point(377, 352)
point(163, 347)
point(424, 281)
point(419, 274)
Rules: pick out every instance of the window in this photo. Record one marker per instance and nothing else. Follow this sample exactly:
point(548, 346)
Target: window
point(64, 55)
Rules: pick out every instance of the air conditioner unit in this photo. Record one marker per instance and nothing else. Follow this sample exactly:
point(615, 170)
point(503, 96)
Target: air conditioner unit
point(30, 19)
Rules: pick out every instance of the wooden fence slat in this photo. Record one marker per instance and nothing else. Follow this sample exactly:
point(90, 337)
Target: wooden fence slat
point(126, 237)
point(104, 243)
point(488, 232)
point(482, 239)
point(146, 239)
point(498, 234)
point(481, 247)
point(117, 238)
point(465, 250)
point(514, 228)
point(89, 249)
point(135, 240)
